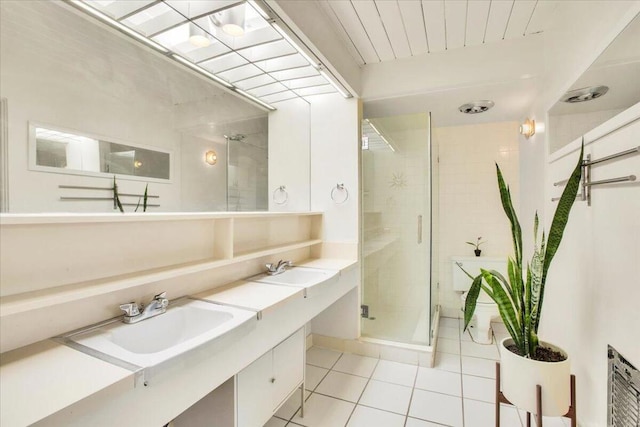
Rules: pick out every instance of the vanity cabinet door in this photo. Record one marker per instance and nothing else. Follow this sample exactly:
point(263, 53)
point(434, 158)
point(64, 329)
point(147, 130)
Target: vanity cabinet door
point(288, 367)
point(265, 384)
point(253, 389)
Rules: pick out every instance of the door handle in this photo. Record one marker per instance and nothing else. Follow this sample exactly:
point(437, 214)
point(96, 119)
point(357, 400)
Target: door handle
point(419, 229)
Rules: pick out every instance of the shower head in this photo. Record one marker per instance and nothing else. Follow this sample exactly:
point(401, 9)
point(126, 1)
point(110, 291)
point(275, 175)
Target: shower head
point(235, 137)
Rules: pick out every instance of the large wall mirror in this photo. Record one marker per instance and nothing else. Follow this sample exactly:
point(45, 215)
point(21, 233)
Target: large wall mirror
point(86, 104)
point(609, 86)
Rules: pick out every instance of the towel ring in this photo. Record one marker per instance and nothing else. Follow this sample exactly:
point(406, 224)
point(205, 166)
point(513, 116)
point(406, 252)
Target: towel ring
point(339, 188)
point(280, 200)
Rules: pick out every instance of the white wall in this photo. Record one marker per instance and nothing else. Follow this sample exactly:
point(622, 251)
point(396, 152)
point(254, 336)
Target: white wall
point(469, 198)
point(592, 290)
point(568, 52)
point(335, 150)
point(593, 281)
point(564, 128)
point(203, 186)
point(289, 161)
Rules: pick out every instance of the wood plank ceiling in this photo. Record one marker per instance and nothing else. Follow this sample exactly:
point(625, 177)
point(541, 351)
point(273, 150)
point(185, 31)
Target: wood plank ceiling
point(384, 30)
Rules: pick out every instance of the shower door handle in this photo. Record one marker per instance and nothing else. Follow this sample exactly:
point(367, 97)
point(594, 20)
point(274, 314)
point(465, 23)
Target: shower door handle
point(419, 229)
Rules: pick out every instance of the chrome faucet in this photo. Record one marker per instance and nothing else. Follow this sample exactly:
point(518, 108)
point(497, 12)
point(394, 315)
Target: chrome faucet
point(157, 306)
point(273, 269)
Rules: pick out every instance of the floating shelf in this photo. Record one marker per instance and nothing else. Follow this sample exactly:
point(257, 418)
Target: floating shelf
point(54, 266)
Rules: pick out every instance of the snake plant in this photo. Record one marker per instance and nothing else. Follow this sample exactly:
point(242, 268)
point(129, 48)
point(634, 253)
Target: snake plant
point(519, 296)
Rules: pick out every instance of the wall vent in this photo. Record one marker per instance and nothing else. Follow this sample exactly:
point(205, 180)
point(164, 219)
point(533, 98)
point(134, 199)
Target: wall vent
point(624, 392)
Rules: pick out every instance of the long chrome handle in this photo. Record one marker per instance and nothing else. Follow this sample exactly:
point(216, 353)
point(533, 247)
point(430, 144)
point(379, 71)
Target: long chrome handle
point(419, 229)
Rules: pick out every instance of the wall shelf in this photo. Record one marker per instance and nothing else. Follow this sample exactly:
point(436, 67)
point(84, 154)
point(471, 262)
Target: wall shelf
point(72, 259)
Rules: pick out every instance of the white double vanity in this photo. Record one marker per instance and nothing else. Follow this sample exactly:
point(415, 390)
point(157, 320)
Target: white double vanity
point(229, 350)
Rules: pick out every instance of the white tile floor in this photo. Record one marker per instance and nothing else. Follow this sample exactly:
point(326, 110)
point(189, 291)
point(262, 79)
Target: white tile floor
point(356, 391)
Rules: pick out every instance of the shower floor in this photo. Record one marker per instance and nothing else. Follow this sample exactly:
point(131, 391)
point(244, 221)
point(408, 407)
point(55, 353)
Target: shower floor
point(409, 325)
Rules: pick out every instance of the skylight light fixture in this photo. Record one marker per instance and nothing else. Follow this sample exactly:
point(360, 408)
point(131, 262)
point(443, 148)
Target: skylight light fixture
point(108, 20)
point(201, 70)
point(278, 28)
point(254, 99)
point(259, 9)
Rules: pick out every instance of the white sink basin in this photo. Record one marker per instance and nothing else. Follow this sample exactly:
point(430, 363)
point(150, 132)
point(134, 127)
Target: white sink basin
point(188, 326)
point(302, 277)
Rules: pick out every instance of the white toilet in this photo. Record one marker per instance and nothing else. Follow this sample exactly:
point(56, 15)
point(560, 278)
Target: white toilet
point(486, 309)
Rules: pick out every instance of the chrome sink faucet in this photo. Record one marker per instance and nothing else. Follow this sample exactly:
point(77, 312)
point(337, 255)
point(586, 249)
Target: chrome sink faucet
point(280, 267)
point(132, 314)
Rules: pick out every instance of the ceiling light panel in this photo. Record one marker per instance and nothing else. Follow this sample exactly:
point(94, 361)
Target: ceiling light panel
point(278, 97)
point(253, 82)
point(295, 73)
point(118, 9)
point(178, 40)
point(306, 82)
point(255, 29)
point(240, 73)
point(283, 63)
point(315, 90)
point(267, 51)
point(196, 8)
point(154, 19)
point(268, 89)
point(223, 62)
point(229, 41)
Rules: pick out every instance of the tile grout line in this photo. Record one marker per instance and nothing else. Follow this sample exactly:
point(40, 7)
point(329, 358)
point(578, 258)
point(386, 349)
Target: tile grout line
point(290, 420)
point(461, 382)
point(363, 390)
point(413, 389)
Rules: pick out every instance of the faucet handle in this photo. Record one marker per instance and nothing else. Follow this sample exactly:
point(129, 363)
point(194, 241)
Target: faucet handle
point(162, 295)
point(130, 309)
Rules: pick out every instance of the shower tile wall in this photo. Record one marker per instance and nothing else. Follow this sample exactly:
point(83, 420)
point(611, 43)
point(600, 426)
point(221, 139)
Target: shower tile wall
point(469, 198)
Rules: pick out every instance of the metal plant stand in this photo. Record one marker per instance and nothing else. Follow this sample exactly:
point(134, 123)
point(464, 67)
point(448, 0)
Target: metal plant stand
point(571, 413)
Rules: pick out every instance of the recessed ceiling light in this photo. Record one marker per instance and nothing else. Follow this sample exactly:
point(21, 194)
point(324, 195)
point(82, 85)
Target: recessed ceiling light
point(584, 94)
point(476, 107)
point(198, 37)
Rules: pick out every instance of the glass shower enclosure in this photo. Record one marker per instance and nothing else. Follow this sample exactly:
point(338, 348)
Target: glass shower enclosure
point(399, 196)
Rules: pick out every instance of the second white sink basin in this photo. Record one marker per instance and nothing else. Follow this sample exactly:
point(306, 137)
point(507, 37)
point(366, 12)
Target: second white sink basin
point(188, 325)
point(302, 277)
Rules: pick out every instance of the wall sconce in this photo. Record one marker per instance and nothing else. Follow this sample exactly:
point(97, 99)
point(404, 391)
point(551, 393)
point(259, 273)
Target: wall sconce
point(211, 157)
point(528, 128)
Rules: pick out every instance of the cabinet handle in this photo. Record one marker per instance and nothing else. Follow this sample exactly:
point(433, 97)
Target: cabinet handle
point(273, 380)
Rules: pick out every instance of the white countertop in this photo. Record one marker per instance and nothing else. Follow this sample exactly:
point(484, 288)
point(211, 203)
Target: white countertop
point(40, 379)
point(329, 263)
point(43, 378)
point(259, 297)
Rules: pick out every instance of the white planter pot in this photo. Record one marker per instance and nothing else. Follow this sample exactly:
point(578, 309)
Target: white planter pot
point(519, 377)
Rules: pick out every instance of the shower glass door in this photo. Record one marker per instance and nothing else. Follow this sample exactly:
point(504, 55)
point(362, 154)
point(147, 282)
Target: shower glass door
point(396, 208)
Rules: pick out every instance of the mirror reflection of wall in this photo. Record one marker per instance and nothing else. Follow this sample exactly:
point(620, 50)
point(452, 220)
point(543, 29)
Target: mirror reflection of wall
point(73, 73)
point(608, 87)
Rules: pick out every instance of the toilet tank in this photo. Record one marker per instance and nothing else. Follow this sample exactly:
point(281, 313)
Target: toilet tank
point(462, 282)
